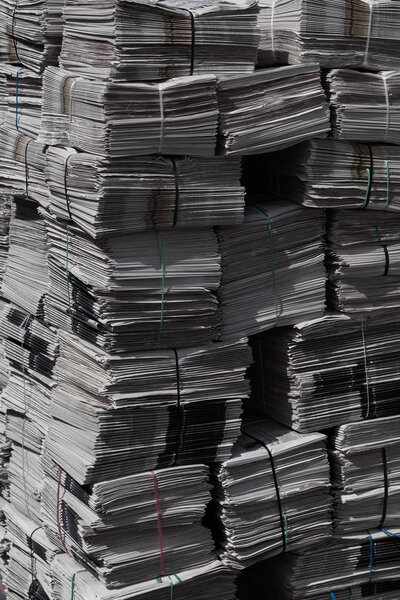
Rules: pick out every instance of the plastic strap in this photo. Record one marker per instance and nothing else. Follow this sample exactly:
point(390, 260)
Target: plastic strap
point(371, 16)
point(66, 185)
point(333, 597)
point(282, 517)
point(193, 44)
point(159, 523)
point(17, 96)
point(59, 526)
point(26, 167)
point(370, 173)
point(33, 558)
point(271, 250)
point(273, 28)
point(175, 170)
point(386, 488)
point(387, 99)
point(181, 413)
point(67, 277)
point(395, 535)
point(365, 368)
point(160, 247)
point(385, 250)
point(161, 102)
point(14, 39)
point(73, 581)
point(371, 556)
point(171, 583)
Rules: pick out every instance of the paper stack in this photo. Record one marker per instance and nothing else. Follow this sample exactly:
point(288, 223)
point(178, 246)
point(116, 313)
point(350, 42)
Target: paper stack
point(149, 40)
point(113, 528)
point(365, 460)
point(333, 174)
point(23, 91)
point(359, 34)
point(130, 119)
point(26, 278)
point(329, 371)
point(272, 268)
point(5, 216)
point(30, 32)
point(151, 290)
point(27, 573)
point(106, 197)
point(363, 260)
point(211, 580)
point(364, 566)
point(271, 109)
point(272, 495)
point(144, 410)
point(364, 105)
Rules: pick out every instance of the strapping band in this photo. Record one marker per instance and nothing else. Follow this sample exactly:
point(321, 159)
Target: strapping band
point(387, 100)
point(171, 583)
point(365, 368)
point(66, 185)
point(282, 516)
point(385, 250)
point(59, 525)
point(180, 410)
point(371, 16)
point(386, 488)
point(371, 556)
point(271, 250)
point(17, 97)
point(73, 581)
point(161, 102)
point(27, 167)
point(193, 44)
point(159, 523)
point(370, 173)
point(176, 210)
point(67, 276)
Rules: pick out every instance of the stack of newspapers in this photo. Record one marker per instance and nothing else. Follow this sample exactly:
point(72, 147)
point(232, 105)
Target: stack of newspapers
point(365, 106)
point(272, 495)
point(364, 565)
point(272, 268)
point(358, 34)
point(365, 459)
point(30, 32)
point(363, 260)
point(150, 40)
point(329, 371)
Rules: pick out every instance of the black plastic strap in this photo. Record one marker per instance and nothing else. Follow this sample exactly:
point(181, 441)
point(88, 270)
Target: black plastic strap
point(66, 185)
point(386, 488)
point(371, 167)
point(387, 260)
point(193, 39)
point(276, 483)
point(175, 170)
point(179, 407)
point(27, 168)
point(33, 559)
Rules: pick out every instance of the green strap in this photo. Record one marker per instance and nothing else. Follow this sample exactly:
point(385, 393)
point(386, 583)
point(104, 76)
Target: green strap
point(73, 582)
point(387, 185)
point(160, 247)
point(171, 584)
point(271, 250)
point(367, 193)
point(67, 277)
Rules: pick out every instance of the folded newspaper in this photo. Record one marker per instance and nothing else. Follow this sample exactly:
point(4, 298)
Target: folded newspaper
point(150, 40)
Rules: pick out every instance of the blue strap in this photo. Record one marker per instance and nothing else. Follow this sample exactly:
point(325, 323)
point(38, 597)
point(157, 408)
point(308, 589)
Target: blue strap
point(371, 555)
point(396, 535)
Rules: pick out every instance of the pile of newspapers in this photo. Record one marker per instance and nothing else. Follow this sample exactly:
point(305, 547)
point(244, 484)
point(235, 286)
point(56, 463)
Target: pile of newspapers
point(358, 34)
point(329, 371)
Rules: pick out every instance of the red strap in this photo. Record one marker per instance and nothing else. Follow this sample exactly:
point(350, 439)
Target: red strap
point(159, 523)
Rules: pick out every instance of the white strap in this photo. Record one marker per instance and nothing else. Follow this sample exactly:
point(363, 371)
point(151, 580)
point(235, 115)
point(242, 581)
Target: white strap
point(365, 367)
point(273, 27)
point(371, 16)
point(387, 98)
point(160, 94)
